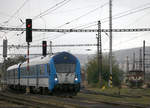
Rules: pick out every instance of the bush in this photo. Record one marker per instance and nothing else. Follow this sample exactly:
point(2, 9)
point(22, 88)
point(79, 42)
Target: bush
point(93, 75)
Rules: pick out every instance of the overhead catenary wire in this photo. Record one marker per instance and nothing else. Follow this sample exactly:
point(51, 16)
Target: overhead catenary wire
point(12, 16)
point(133, 38)
point(95, 22)
point(89, 12)
point(51, 9)
point(104, 20)
point(41, 14)
point(119, 15)
point(76, 19)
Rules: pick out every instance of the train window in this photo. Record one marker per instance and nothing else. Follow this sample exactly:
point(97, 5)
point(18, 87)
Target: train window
point(8, 74)
point(37, 69)
point(48, 68)
point(42, 69)
point(23, 71)
point(16, 72)
point(13, 73)
point(32, 70)
point(65, 68)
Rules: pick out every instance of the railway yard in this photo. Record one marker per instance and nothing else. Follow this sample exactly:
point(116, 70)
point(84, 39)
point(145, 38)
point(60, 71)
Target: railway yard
point(72, 54)
point(86, 98)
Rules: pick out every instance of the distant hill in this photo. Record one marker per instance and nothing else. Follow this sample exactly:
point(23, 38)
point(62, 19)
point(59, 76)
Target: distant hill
point(84, 58)
point(121, 55)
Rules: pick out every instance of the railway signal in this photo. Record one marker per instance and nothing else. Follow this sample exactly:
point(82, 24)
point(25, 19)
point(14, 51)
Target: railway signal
point(28, 30)
point(44, 48)
point(28, 40)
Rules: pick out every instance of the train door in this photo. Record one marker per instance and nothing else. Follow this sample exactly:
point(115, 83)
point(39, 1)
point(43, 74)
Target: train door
point(37, 75)
point(52, 75)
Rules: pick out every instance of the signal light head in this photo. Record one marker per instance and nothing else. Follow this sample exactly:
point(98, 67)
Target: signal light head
point(44, 45)
point(29, 25)
point(44, 48)
point(28, 30)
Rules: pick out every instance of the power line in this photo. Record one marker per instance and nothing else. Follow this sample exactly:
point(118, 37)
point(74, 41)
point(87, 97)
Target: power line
point(76, 19)
point(18, 10)
point(115, 15)
point(56, 6)
point(42, 14)
point(104, 20)
point(125, 13)
point(125, 41)
point(116, 18)
point(82, 15)
point(12, 16)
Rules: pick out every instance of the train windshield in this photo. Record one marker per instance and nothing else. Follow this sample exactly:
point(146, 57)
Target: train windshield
point(65, 68)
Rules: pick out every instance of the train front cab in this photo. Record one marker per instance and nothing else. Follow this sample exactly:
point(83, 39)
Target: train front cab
point(65, 73)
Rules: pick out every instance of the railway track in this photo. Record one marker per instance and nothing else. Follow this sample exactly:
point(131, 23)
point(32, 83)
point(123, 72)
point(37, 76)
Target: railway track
point(46, 101)
point(26, 102)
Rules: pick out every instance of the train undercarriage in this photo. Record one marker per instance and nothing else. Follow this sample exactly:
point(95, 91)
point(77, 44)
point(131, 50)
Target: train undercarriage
point(65, 90)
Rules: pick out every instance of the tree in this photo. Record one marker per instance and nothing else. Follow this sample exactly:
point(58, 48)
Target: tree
point(93, 75)
point(11, 61)
point(15, 60)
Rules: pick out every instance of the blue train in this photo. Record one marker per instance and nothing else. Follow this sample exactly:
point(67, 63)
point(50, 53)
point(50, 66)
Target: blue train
point(58, 73)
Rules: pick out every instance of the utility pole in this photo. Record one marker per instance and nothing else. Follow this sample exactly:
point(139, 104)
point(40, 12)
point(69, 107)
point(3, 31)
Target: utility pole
point(127, 65)
point(110, 40)
point(140, 60)
point(127, 68)
point(28, 70)
point(133, 68)
point(4, 56)
point(144, 59)
point(51, 53)
point(98, 60)
point(99, 52)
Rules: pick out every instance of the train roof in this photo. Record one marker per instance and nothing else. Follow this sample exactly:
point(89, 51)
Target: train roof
point(13, 67)
point(44, 60)
point(37, 60)
point(64, 57)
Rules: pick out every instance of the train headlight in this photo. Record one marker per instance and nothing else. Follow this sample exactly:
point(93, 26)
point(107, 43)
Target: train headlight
point(76, 79)
point(56, 79)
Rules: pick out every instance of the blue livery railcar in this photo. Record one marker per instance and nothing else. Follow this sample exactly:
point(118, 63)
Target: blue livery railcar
point(58, 73)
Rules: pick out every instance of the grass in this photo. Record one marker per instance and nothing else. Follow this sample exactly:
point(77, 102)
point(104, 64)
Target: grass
point(127, 95)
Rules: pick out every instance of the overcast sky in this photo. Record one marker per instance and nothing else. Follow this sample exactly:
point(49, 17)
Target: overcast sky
point(69, 14)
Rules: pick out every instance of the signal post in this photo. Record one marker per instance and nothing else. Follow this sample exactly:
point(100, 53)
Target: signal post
point(4, 63)
point(28, 40)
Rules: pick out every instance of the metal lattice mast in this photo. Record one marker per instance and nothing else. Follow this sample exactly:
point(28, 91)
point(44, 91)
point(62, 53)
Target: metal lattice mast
point(140, 60)
point(99, 51)
point(144, 58)
point(127, 65)
point(133, 68)
point(110, 42)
